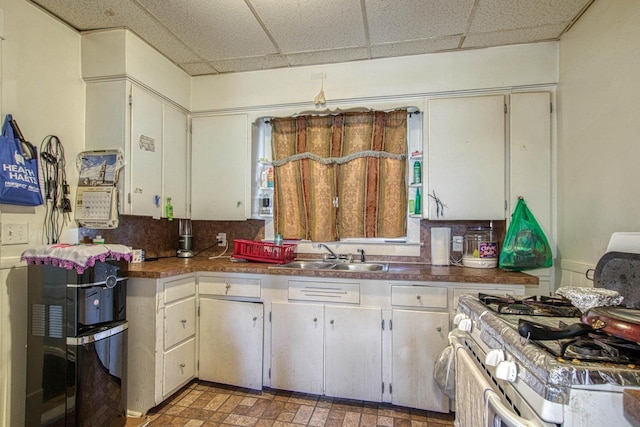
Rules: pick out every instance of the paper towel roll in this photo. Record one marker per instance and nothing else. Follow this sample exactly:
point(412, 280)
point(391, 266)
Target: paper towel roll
point(440, 240)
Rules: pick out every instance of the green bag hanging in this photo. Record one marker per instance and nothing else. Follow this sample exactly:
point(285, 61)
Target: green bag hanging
point(525, 245)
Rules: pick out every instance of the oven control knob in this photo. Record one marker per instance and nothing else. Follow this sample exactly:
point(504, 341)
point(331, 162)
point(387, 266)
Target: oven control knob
point(494, 357)
point(507, 370)
point(458, 317)
point(465, 325)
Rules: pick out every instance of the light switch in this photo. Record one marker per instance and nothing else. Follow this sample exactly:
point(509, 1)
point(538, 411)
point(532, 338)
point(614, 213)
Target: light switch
point(15, 234)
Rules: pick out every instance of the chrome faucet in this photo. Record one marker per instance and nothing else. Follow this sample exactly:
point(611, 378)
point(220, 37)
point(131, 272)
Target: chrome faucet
point(333, 254)
point(361, 255)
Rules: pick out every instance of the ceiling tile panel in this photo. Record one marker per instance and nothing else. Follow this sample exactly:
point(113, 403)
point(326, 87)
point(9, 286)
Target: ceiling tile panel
point(524, 35)
point(404, 20)
point(328, 56)
point(218, 29)
point(496, 15)
point(249, 64)
point(198, 68)
point(305, 25)
point(414, 47)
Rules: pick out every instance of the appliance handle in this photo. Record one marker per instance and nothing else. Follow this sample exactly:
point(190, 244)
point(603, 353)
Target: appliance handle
point(92, 284)
point(506, 415)
point(102, 334)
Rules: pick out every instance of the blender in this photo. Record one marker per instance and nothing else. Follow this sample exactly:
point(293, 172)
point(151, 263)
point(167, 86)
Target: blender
point(185, 240)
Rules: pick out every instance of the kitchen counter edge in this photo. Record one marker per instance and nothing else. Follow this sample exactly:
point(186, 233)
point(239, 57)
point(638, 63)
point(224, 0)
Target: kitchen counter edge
point(168, 267)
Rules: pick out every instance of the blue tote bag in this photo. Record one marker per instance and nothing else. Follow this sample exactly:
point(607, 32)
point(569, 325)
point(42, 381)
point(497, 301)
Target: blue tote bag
point(19, 180)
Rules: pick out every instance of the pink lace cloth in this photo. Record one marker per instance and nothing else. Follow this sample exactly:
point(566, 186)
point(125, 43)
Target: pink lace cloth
point(78, 257)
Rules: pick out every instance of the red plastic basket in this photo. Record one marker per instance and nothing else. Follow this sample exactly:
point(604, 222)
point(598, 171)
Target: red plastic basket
point(263, 251)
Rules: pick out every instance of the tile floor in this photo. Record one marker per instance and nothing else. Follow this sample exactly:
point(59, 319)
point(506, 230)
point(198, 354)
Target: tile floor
point(201, 403)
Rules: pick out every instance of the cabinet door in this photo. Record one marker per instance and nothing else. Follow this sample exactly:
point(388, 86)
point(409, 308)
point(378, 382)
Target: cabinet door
point(175, 168)
point(418, 337)
point(353, 353)
point(231, 337)
point(466, 159)
point(145, 161)
point(297, 347)
point(530, 165)
point(219, 165)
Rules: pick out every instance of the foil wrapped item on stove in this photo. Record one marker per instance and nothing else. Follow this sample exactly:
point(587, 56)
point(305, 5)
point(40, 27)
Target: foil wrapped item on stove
point(586, 298)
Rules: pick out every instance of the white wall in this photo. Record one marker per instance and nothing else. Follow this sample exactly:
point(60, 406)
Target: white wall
point(42, 88)
point(598, 134)
point(481, 69)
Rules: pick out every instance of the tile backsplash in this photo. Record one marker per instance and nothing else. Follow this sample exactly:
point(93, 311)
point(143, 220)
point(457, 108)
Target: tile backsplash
point(159, 238)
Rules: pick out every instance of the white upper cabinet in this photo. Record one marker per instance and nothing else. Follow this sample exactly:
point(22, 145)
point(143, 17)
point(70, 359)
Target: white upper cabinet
point(175, 163)
point(219, 167)
point(466, 158)
point(146, 154)
point(123, 115)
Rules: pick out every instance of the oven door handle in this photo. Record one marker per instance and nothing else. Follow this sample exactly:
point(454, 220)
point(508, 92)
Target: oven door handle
point(506, 415)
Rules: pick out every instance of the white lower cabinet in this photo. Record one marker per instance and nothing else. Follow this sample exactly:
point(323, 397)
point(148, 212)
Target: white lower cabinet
point(161, 340)
point(231, 337)
point(331, 350)
point(418, 337)
point(297, 347)
point(353, 353)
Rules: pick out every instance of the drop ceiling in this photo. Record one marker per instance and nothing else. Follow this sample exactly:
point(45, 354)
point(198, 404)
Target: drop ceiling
point(225, 36)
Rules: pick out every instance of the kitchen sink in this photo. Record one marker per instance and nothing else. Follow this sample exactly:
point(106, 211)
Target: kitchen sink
point(308, 265)
point(361, 267)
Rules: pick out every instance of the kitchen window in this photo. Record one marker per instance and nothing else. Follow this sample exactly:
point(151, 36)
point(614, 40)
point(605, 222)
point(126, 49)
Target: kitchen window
point(343, 176)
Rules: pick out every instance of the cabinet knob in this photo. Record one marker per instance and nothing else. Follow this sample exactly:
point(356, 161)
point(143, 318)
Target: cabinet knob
point(418, 297)
point(255, 318)
point(184, 321)
point(182, 365)
point(238, 204)
point(439, 329)
point(331, 321)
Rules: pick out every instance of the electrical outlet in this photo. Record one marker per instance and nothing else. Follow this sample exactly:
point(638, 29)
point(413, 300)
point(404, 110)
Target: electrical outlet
point(457, 243)
point(222, 239)
point(15, 234)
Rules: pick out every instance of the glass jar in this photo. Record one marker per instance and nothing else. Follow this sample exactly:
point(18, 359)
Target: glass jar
point(480, 248)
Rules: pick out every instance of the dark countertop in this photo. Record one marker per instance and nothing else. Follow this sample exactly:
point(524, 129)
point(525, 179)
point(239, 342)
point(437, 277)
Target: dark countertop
point(167, 267)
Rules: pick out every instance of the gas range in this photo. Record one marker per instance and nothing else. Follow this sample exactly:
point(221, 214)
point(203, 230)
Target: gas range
point(547, 378)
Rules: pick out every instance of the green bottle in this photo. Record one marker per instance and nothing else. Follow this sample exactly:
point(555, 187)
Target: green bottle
point(418, 210)
point(169, 209)
point(417, 172)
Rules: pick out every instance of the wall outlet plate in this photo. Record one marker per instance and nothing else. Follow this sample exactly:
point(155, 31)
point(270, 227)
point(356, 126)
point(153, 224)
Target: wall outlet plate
point(15, 234)
point(222, 239)
point(457, 243)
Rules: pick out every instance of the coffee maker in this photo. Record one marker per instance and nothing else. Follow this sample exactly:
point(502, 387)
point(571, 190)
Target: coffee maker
point(185, 240)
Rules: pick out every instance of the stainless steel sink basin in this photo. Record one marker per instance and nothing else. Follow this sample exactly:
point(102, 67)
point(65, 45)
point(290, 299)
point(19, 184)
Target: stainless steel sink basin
point(308, 265)
point(367, 267)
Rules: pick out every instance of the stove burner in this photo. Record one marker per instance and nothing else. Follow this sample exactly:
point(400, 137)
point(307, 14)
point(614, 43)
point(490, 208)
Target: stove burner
point(532, 305)
point(598, 347)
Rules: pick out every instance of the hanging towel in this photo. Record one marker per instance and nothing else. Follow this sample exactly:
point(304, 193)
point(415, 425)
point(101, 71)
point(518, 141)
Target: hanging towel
point(78, 257)
point(472, 392)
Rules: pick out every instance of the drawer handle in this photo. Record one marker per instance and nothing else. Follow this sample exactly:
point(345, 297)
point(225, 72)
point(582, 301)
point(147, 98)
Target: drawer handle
point(418, 296)
point(439, 329)
point(184, 321)
point(331, 321)
point(315, 319)
point(182, 365)
point(255, 318)
point(227, 288)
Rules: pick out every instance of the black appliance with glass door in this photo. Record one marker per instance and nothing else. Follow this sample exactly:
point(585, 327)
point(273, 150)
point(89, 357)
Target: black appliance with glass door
point(77, 346)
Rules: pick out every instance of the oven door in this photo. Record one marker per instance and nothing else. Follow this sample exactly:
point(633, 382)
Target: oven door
point(479, 401)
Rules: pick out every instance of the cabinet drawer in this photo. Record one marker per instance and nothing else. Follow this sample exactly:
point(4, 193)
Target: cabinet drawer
point(178, 289)
point(229, 286)
point(179, 322)
point(323, 291)
point(419, 296)
point(179, 366)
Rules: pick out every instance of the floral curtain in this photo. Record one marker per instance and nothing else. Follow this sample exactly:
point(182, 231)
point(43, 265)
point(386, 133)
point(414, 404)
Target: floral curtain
point(340, 175)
